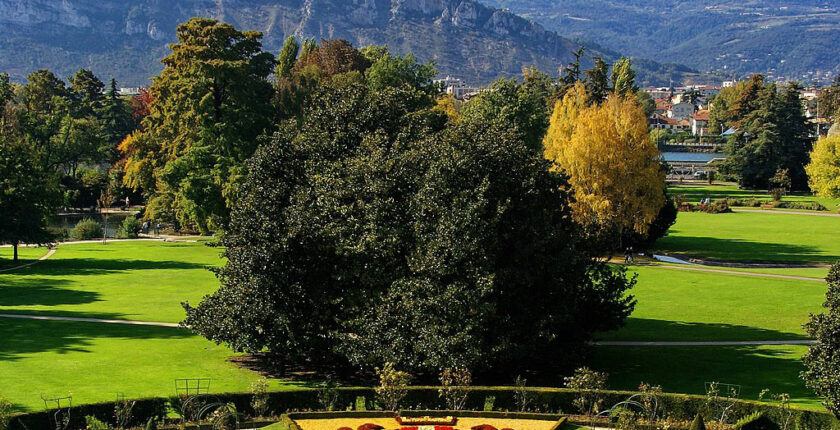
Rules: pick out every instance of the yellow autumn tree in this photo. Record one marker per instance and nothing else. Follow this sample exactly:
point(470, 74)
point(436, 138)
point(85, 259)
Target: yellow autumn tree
point(824, 169)
point(611, 162)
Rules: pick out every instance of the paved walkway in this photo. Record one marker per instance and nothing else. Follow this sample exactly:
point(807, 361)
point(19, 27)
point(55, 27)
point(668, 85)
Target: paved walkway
point(90, 320)
point(735, 272)
point(44, 257)
point(759, 211)
point(708, 343)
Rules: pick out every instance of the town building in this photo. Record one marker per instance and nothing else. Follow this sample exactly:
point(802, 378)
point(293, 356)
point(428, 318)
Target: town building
point(457, 87)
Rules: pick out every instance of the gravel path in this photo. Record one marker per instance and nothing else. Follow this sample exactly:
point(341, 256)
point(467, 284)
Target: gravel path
point(735, 272)
point(759, 211)
point(91, 320)
point(44, 257)
point(708, 343)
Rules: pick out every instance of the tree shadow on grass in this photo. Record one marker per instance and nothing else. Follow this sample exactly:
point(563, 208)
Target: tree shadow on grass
point(649, 330)
point(687, 369)
point(97, 266)
point(20, 338)
point(742, 251)
point(25, 291)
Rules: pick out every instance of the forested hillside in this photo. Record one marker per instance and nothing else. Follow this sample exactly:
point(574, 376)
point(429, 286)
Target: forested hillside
point(782, 37)
point(126, 38)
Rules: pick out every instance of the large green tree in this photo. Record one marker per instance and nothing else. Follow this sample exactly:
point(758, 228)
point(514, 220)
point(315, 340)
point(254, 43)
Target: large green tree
point(822, 361)
point(28, 192)
point(379, 231)
point(210, 103)
point(772, 135)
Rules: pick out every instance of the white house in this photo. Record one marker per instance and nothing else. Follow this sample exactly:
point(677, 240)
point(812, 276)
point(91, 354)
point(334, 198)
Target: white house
point(681, 110)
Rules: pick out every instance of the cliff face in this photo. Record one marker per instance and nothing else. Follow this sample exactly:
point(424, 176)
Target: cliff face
point(126, 38)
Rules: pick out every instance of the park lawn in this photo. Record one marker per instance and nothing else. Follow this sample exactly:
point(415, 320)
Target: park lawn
point(754, 237)
point(687, 369)
point(678, 305)
point(26, 254)
point(695, 192)
point(136, 280)
point(94, 362)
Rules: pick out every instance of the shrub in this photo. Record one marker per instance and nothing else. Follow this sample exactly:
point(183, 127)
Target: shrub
point(259, 397)
point(328, 395)
point(698, 423)
point(521, 394)
point(95, 424)
point(152, 424)
point(392, 386)
point(86, 229)
point(756, 421)
point(624, 419)
point(585, 382)
point(5, 413)
point(130, 228)
point(454, 385)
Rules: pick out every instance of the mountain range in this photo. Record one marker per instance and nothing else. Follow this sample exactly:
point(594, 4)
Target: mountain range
point(796, 39)
point(126, 39)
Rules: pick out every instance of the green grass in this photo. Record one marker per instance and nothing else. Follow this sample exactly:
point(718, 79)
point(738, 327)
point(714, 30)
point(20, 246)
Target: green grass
point(693, 193)
point(745, 237)
point(139, 280)
point(94, 362)
point(26, 254)
point(687, 369)
point(677, 305)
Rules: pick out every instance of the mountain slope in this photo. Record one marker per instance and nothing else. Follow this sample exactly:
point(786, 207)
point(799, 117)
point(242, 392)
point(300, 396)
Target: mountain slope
point(126, 38)
point(783, 37)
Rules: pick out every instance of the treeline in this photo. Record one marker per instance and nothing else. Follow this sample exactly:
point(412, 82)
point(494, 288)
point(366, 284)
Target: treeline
point(58, 141)
point(368, 218)
point(770, 141)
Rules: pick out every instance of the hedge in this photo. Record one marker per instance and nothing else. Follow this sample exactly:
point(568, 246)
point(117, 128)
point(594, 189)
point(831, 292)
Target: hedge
point(544, 400)
point(143, 410)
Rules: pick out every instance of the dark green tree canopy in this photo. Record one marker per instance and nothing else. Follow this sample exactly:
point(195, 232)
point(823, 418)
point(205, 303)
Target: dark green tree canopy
point(378, 231)
point(822, 361)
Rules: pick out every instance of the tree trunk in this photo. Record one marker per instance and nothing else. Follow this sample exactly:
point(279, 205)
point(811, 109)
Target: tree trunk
point(15, 246)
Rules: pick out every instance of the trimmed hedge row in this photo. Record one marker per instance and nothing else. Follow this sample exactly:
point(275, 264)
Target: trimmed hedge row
point(544, 400)
point(143, 410)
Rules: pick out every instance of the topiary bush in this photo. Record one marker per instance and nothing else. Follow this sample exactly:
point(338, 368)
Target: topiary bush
point(756, 421)
point(86, 229)
point(130, 228)
point(698, 423)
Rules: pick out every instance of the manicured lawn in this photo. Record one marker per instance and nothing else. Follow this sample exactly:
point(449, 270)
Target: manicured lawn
point(693, 193)
point(747, 237)
point(139, 280)
point(94, 362)
point(678, 305)
point(687, 369)
point(25, 255)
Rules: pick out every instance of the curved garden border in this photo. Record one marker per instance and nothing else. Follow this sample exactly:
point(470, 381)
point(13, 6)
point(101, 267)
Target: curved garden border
point(550, 400)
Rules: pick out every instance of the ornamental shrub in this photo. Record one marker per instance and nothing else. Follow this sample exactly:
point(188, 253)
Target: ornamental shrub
point(86, 229)
point(698, 423)
point(130, 228)
point(756, 421)
point(95, 424)
point(5, 413)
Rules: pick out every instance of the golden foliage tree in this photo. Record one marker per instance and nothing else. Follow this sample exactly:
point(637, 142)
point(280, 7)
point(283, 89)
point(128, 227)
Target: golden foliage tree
point(824, 169)
point(612, 164)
